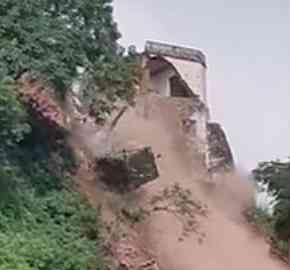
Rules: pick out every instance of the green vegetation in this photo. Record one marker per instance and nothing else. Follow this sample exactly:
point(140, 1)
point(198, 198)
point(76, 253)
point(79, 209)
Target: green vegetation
point(276, 176)
point(12, 116)
point(265, 223)
point(61, 41)
point(44, 223)
point(55, 231)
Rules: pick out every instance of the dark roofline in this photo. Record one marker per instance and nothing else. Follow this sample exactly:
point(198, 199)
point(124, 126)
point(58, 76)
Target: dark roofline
point(162, 49)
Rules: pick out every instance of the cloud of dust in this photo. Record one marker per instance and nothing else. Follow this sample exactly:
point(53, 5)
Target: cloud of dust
point(233, 193)
point(228, 244)
point(93, 140)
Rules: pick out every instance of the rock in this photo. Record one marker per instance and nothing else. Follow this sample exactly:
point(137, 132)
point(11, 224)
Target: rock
point(128, 170)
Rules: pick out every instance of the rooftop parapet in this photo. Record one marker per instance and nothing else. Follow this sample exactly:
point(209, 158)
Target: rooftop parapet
point(174, 51)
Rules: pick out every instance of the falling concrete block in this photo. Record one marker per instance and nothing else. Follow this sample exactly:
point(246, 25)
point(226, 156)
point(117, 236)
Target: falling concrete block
point(128, 170)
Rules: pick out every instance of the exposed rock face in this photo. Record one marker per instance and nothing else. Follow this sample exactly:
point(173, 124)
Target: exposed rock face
point(219, 153)
point(42, 105)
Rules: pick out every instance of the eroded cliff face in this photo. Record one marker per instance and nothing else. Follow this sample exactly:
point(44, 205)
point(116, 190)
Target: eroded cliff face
point(43, 106)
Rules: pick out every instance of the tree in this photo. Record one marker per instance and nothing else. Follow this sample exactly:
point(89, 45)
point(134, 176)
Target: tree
point(13, 128)
point(55, 39)
point(52, 40)
point(13, 116)
point(276, 175)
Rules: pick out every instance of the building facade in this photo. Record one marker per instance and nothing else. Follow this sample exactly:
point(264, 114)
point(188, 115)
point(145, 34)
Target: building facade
point(181, 73)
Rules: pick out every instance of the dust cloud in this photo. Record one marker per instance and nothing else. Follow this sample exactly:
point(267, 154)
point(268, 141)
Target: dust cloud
point(95, 140)
point(228, 242)
point(232, 193)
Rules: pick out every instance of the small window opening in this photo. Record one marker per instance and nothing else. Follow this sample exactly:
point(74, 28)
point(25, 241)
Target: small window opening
point(178, 88)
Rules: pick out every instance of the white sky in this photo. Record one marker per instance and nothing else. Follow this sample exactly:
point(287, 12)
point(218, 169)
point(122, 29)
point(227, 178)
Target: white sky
point(247, 44)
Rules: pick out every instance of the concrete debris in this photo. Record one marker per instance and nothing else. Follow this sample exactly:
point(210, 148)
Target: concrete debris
point(128, 170)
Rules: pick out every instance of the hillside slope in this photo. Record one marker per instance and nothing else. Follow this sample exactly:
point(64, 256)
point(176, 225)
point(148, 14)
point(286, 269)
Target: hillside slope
point(220, 239)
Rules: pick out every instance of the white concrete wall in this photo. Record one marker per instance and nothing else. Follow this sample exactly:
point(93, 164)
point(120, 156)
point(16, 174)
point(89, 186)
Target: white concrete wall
point(194, 74)
point(160, 82)
point(201, 131)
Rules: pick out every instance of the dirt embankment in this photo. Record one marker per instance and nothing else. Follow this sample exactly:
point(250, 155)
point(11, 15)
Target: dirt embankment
point(193, 224)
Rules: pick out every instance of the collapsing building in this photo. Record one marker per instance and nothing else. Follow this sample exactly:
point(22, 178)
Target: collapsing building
point(180, 73)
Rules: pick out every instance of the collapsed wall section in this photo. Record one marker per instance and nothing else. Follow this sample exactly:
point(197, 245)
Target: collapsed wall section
point(219, 152)
point(192, 116)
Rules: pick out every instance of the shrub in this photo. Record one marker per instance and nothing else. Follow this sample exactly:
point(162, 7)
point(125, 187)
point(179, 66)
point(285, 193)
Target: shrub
point(56, 231)
point(13, 117)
